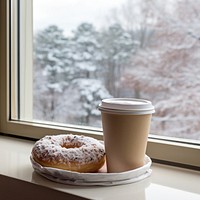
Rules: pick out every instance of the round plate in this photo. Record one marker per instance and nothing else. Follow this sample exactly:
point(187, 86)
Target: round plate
point(99, 178)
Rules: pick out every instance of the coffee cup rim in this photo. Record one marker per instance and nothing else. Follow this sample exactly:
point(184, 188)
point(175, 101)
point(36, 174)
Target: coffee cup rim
point(126, 106)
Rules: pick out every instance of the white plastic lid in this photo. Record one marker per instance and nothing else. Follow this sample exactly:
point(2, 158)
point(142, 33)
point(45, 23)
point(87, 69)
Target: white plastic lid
point(127, 106)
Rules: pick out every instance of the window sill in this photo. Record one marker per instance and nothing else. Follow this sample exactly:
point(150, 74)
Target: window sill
point(166, 181)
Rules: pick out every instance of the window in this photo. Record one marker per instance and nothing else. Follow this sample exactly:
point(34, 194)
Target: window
point(73, 66)
point(135, 53)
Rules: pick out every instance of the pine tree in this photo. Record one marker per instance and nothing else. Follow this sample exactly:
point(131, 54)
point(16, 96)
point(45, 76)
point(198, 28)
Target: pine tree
point(86, 50)
point(118, 45)
point(50, 62)
point(87, 55)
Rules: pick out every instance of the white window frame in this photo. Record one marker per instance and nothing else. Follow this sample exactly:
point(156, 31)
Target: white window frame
point(26, 59)
point(160, 150)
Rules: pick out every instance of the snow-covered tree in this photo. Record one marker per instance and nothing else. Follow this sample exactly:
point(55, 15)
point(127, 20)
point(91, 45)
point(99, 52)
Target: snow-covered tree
point(91, 92)
point(86, 50)
point(87, 55)
point(137, 18)
point(50, 63)
point(65, 75)
point(167, 71)
point(118, 46)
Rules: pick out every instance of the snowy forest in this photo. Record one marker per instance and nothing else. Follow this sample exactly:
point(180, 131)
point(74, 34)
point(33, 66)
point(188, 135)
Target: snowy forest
point(146, 49)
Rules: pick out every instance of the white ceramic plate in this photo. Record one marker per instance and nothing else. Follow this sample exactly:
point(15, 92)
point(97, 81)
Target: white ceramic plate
point(99, 178)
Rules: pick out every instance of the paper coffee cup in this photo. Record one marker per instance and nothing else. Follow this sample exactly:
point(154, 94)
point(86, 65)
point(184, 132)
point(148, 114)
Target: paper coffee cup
point(126, 124)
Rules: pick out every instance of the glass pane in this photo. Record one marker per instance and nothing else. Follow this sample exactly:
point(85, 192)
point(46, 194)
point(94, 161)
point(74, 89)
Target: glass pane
point(85, 51)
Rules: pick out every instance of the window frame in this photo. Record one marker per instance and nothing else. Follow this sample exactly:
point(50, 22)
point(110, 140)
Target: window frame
point(158, 148)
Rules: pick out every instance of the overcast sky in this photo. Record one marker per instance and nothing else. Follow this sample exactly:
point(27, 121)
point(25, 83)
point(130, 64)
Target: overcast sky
point(68, 14)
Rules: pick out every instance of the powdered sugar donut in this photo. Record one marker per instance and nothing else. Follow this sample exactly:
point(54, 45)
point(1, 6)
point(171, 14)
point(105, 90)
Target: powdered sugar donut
point(69, 152)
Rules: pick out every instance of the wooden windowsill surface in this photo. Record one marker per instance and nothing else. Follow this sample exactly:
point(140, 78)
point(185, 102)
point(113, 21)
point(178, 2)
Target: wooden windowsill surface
point(166, 182)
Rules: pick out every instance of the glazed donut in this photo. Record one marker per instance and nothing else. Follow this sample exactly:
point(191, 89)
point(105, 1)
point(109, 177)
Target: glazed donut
point(69, 152)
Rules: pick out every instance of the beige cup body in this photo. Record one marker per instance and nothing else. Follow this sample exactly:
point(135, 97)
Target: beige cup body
point(125, 138)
